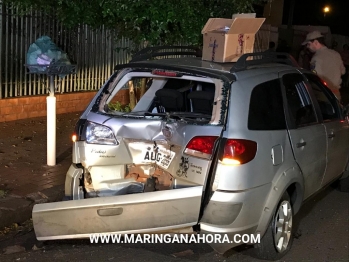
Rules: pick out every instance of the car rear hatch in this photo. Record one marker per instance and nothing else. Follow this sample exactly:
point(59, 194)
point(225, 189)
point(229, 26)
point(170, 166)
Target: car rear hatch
point(146, 167)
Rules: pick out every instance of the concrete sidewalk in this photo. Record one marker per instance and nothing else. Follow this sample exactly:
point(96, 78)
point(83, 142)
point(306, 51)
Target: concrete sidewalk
point(25, 179)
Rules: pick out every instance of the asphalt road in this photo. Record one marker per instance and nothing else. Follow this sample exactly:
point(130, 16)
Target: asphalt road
point(321, 235)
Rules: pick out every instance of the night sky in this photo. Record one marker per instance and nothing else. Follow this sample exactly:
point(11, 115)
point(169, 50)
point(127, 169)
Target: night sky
point(310, 12)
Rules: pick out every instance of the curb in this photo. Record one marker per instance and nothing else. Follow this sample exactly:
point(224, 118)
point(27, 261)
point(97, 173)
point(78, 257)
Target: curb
point(16, 209)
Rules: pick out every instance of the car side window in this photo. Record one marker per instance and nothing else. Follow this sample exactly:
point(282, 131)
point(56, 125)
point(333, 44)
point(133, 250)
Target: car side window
point(266, 110)
point(300, 107)
point(327, 104)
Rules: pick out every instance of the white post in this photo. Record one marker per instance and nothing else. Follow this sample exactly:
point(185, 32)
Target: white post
point(51, 125)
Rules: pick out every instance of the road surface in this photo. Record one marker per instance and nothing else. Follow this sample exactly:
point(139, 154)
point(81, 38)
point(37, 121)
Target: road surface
point(321, 235)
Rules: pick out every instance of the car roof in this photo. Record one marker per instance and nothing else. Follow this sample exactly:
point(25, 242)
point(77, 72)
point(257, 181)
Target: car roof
point(192, 62)
point(198, 63)
point(181, 66)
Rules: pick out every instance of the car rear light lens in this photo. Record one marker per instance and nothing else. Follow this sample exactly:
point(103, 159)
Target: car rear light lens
point(99, 134)
point(166, 73)
point(201, 146)
point(324, 82)
point(238, 151)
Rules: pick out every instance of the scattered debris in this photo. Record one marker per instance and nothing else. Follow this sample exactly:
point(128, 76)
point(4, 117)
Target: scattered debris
point(188, 252)
point(35, 248)
point(3, 193)
point(13, 249)
point(37, 197)
point(43, 195)
point(16, 229)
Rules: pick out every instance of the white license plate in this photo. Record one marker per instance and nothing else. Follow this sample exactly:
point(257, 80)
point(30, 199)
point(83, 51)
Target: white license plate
point(162, 157)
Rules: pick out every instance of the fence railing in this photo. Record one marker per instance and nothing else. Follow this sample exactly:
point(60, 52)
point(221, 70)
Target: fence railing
point(94, 51)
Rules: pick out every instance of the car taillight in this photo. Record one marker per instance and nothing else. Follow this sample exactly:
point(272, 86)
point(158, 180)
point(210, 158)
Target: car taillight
point(324, 82)
point(166, 73)
point(238, 151)
point(201, 146)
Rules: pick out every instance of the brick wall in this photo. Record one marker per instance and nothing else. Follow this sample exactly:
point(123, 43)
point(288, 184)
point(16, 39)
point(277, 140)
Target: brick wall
point(34, 106)
point(122, 96)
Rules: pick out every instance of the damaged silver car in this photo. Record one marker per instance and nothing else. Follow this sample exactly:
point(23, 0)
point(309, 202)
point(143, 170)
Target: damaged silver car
point(186, 145)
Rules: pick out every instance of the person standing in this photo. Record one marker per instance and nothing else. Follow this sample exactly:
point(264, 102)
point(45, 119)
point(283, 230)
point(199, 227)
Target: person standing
point(326, 63)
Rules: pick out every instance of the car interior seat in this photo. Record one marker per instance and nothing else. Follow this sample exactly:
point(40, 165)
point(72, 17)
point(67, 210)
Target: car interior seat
point(202, 101)
point(169, 100)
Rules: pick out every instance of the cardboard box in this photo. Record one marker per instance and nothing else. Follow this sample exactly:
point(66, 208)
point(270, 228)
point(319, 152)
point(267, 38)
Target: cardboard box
point(225, 40)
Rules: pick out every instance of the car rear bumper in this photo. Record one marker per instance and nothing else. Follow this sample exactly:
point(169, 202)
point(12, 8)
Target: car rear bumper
point(234, 215)
point(235, 211)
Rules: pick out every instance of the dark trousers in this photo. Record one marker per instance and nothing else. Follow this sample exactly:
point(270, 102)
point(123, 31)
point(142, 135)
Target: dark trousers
point(345, 77)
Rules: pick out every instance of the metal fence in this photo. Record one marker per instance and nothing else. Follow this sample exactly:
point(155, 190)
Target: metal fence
point(95, 52)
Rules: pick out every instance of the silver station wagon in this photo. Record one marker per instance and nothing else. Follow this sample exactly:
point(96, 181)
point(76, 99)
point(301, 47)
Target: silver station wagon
point(186, 145)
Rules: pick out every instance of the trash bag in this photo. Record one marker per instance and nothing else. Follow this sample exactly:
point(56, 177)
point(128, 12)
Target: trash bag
point(44, 53)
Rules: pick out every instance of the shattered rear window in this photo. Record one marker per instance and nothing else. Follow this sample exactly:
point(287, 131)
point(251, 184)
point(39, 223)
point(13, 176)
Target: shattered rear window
point(163, 94)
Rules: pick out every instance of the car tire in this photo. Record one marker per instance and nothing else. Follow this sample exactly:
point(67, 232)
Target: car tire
point(274, 245)
point(343, 184)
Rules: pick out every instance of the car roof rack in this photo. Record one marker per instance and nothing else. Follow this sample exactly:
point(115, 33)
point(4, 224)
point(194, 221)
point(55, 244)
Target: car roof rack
point(158, 51)
point(262, 58)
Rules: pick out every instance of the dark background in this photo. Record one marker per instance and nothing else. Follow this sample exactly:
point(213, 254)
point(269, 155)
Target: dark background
point(310, 12)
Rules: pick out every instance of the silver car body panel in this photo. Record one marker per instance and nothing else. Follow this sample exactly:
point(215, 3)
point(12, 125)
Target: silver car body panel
point(312, 156)
point(261, 169)
point(337, 149)
point(147, 212)
point(176, 206)
point(261, 182)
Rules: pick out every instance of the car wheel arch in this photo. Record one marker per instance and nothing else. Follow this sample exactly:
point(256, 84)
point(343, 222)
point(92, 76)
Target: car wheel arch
point(290, 181)
point(296, 193)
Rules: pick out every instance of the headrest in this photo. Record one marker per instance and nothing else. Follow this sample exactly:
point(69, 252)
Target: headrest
point(170, 98)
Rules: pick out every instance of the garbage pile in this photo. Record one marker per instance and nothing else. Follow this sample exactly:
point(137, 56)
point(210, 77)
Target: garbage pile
point(44, 54)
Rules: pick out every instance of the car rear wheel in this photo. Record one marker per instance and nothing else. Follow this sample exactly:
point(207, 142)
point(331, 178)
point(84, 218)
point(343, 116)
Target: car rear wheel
point(278, 238)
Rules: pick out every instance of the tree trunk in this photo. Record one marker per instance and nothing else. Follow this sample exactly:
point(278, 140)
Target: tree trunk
point(143, 83)
point(132, 95)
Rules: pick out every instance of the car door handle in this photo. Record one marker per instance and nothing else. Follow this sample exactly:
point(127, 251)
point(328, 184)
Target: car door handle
point(331, 135)
point(110, 212)
point(301, 144)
